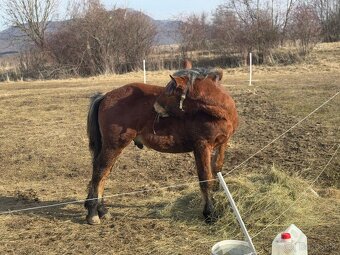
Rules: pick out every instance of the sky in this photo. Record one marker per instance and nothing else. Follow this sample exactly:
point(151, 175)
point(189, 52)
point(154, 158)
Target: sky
point(157, 9)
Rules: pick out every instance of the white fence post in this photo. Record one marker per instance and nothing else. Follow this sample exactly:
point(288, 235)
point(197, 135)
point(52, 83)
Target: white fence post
point(236, 212)
point(250, 68)
point(144, 70)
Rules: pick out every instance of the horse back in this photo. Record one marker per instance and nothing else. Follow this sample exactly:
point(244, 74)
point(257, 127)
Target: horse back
point(129, 106)
point(128, 94)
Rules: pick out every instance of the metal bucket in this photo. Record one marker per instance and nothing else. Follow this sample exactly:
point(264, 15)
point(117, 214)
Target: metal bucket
point(231, 247)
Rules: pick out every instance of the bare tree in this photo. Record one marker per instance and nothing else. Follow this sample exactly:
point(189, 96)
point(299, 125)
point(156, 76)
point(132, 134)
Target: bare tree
point(195, 32)
point(329, 14)
point(226, 27)
point(286, 17)
point(135, 33)
point(305, 27)
point(333, 27)
point(97, 41)
point(232, 34)
point(31, 17)
point(250, 25)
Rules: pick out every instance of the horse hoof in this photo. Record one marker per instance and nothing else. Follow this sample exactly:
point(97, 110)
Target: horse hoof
point(106, 216)
point(210, 220)
point(94, 220)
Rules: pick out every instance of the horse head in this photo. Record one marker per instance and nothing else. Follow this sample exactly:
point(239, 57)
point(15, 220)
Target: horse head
point(183, 81)
point(178, 86)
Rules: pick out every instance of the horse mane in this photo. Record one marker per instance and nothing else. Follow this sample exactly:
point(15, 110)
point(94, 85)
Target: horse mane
point(192, 75)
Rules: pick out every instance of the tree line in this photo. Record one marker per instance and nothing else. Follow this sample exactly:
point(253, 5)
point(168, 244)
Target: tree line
point(94, 40)
point(245, 26)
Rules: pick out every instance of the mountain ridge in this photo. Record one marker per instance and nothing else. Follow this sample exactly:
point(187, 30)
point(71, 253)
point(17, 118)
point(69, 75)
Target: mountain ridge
point(12, 40)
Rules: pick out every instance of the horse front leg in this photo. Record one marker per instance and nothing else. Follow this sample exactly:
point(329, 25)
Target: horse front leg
point(203, 152)
point(94, 204)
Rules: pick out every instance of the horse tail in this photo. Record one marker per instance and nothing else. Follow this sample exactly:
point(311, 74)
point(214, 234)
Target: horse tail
point(93, 131)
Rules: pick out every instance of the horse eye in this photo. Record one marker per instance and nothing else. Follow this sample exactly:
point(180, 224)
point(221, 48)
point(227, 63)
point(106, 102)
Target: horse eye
point(179, 89)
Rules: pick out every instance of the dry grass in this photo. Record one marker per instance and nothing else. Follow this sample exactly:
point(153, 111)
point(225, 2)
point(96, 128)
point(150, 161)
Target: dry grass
point(261, 199)
point(45, 160)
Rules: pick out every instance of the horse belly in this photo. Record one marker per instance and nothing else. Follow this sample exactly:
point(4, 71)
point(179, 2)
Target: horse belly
point(164, 143)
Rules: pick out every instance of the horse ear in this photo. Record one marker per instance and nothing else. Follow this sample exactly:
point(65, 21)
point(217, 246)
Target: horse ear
point(171, 86)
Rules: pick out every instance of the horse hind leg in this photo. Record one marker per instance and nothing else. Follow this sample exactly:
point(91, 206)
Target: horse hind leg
point(102, 166)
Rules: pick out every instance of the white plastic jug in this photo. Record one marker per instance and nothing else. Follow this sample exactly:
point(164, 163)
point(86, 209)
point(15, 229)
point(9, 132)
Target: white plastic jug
point(291, 242)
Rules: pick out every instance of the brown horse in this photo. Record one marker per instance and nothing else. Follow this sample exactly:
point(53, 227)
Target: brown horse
point(203, 125)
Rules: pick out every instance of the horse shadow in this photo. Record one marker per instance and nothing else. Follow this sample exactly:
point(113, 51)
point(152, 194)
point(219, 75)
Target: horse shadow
point(185, 208)
point(53, 209)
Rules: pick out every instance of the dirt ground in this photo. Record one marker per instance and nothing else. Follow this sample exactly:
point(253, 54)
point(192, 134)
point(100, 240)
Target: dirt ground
point(44, 160)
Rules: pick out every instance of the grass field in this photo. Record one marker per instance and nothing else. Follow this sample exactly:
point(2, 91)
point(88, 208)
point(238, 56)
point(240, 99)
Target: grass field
point(44, 159)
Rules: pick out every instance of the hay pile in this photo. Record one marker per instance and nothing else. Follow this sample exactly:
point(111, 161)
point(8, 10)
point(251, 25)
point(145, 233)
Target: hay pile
point(262, 198)
point(268, 203)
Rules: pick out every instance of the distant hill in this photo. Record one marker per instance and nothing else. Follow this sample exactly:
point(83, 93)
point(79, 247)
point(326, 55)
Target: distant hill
point(167, 32)
point(12, 40)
